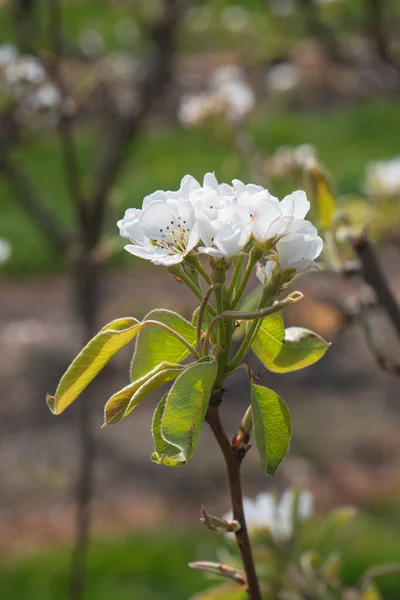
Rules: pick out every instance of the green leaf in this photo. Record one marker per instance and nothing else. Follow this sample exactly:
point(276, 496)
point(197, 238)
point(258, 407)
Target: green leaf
point(283, 351)
point(121, 404)
point(181, 419)
point(271, 422)
point(163, 449)
point(90, 361)
point(155, 345)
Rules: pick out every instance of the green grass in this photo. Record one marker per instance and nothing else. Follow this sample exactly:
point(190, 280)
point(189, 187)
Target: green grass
point(153, 566)
point(347, 139)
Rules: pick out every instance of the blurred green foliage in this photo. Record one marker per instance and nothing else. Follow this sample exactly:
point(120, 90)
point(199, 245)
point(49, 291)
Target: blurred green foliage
point(153, 566)
point(346, 140)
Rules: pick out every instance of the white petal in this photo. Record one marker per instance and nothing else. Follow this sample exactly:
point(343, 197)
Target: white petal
point(210, 181)
point(157, 195)
point(157, 219)
point(188, 185)
point(296, 204)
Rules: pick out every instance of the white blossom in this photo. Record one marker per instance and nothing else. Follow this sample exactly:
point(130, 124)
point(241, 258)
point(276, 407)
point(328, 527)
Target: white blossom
point(5, 250)
point(383, 178)
point(164, 230)
point(222, 221)
point(271, 219)
point(226, 235)
point(296, 250)
point(267, 512)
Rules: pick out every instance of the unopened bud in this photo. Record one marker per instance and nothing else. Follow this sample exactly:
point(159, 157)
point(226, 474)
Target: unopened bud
point(222, 570)
point(217, 524)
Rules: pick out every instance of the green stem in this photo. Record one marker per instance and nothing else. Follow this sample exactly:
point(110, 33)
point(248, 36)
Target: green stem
point(255, 315)
point(179, 272)
point(175, 334)
point(255, 255)
point(200, 316)
point(203, 272)
point(236, 274)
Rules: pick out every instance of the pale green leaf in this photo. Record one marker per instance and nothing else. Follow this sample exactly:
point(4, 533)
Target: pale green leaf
point(155, 345)
point(121, 404)
point(89, 362)
point(271, 423)
point(185, 410)
point(283, 351)
point(163, 450)
point(324, 199)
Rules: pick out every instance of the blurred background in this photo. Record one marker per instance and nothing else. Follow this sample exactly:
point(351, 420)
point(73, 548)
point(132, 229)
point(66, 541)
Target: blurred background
point(101, 103)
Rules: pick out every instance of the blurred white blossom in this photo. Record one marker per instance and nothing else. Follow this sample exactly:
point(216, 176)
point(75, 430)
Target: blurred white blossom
point(8, 53)
point(91, 43)
point(228, 93)
point(286, 159)
point(5, 250)
point(282, 78)
point(383, 178)
point(23, 75)
point(277, 515)
point(41, 107)
point(235, 18)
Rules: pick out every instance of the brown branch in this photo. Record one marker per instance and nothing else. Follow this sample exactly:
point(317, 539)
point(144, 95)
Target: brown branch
point(157, 70)
point(233, 460)
point(374, 276)
point(65, 123)
point(33, 204)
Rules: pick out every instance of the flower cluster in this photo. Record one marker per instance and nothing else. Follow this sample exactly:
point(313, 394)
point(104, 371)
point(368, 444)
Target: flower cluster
point(383, 178)
point(228, 94)
point(278, 516)
point(223, 221)
point(25, 81)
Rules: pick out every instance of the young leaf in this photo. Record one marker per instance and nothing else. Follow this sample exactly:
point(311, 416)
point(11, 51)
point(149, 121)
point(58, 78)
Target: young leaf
point(155, 345)
point(89, 362)
point(184, 412)
point(324, 198)
point(271, 423)
point(163, 449)
point(121, 404)
point(285, 351)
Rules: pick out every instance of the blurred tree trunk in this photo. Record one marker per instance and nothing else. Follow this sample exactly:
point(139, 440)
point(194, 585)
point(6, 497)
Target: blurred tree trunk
point(24, 16)
point(86, 284)
point(376, 27)
point(318, 29)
